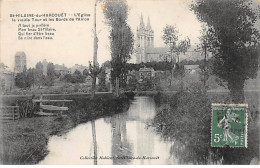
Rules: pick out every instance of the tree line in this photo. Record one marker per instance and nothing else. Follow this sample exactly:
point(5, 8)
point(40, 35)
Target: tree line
point(35, 77)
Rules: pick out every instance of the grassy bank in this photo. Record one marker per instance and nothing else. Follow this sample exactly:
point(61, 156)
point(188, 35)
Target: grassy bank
point(24, 141)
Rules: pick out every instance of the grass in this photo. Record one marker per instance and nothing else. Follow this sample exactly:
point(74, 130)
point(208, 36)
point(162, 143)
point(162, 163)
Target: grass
point(25, 141)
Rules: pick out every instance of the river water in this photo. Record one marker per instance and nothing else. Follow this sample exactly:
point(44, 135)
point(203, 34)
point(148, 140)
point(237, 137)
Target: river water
point(124, 138)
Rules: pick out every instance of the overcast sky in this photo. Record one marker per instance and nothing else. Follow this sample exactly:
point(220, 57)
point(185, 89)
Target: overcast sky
point(73, 41)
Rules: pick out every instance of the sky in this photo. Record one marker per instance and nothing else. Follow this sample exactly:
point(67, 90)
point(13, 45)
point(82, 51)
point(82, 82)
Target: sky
point(73, 41)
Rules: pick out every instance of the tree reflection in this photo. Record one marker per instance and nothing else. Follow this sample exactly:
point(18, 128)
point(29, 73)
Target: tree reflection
point(120, 146)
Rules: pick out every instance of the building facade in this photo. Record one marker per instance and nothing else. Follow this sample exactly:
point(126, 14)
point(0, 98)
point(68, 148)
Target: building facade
point(145, 50)
point(20, 62)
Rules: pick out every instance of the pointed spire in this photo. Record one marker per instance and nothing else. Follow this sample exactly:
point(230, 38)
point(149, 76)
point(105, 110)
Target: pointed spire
point(148, 24)
point(141, 22)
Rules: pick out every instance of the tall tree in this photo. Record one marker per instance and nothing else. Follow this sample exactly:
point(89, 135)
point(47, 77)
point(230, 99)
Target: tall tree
point(171, 38)
point(102, 81)
point(38, 75)
point(233, 41)
point(30, 80)
point(20, 80)
point(203, 47)
point(121, 39)
point(50, 74)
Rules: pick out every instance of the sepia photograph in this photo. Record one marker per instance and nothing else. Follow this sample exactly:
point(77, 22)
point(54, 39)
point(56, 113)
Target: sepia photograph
point(129, 82)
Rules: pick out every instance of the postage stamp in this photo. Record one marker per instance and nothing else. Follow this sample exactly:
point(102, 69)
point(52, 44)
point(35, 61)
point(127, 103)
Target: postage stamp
point(229, 125)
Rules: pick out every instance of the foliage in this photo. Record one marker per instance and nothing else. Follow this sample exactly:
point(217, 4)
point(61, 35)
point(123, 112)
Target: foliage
point(132, 84)
point(145, 85)
point(50, 74)
point(94, 71)
point(38, 76)
point(107, 64)
point(20, 80)
point(76, 77)
point(85, 108)
point(173, 121)
point(102, 81)
point(25, 79)
point(233, 40)
point(121, 38)
point(170, 37)
point(30, 80)
point(157, 66)
point(85, 72)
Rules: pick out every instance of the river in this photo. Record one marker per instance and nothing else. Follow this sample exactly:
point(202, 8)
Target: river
point(124, 138)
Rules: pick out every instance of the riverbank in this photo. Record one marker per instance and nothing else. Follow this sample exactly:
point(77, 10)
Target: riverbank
point(25, 141)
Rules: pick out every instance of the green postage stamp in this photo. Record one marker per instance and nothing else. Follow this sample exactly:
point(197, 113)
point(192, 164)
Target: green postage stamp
point(229, 125)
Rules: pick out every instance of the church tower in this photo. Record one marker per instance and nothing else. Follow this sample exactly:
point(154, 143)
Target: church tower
point(145, 40)
point(150, 34)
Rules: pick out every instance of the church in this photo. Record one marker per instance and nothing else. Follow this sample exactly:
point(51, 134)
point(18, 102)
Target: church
point(145, 50)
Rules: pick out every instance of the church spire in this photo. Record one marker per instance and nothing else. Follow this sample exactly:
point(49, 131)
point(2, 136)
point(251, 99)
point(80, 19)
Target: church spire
point(148, 24)
point(141, 22)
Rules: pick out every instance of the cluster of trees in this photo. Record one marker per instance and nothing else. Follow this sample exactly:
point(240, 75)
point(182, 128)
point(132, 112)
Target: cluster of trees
point(34, 77)
point(157, 66)
point(76, 77)
point(161, 66)
point(145, 85)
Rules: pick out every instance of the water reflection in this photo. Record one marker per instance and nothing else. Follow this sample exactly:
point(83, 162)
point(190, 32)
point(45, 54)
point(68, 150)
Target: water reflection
point(121, 139)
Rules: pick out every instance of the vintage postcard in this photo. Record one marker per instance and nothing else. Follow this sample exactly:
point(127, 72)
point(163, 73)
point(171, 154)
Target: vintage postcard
point(129, 82)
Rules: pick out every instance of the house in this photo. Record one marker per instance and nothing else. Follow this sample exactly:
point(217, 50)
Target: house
point(145, 73)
